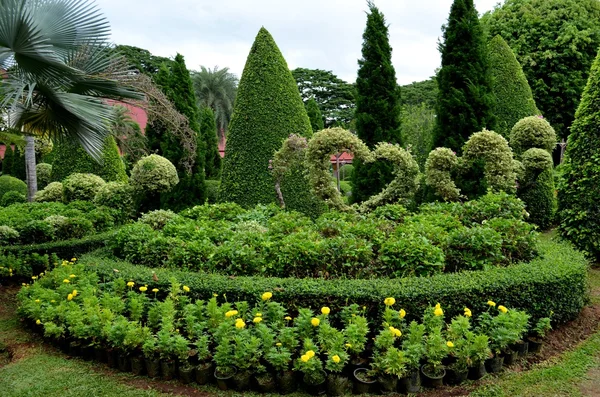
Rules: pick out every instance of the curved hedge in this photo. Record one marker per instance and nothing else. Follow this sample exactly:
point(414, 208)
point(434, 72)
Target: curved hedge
point(556, 281)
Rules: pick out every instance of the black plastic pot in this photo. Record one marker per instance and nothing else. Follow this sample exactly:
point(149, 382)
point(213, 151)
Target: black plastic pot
point(477, 371)
point(363, 384)
point(411, 383)
point(387, 384)
point(535, 345)
point(123, 362)
point(494, 364)
point(167, 368)
point(354, 364)
point(137, 365)
point(87, 353)
point(338, 385)
point(455, 376)
point(186, 373)
point(111, 358)
point(510, 357)
point(521, 348)
point(265, 383)
point(99, 354)
point(204, 373)
point(316, 389)
point(153, 367)
point(74, 349)
point(242, 380)
point(286, 382)
point(431, 380)
point(224, 381)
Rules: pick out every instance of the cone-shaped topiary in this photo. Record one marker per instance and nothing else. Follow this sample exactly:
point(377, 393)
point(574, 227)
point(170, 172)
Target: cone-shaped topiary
point(511, 90)
point(532, 132)
point(579, 188)
point(314, 115)
point(208, 131)
point(268, 108)
point(537, 188)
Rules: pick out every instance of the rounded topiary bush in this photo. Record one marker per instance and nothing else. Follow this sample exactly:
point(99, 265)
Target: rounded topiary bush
point(118, 196)
point(9, 183)
point(52, 192)
point(158, 219)
point(537, 188)
point(43, 172)
point(532, 132)
point(81, 187)
point(154, 174)
point(12, 197)
point(8, 235)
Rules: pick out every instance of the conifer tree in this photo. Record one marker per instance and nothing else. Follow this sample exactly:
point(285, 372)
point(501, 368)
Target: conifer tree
point(377, 105)
point(8, 160)
point(314, 115)
point(465, 101)
point(208, 130)
point(513, 97)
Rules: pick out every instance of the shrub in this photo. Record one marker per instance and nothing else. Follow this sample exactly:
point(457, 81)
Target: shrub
point(411, 255)
point(69, 228)
point(532, 132)
point(489, 206)
point(345, 188)
point(43, 172)
point(439, 167)
point(8, 235)
point(12, 197)
point(9, 184)
point(52, 192)
point(519, 239)
point(346, 172)
point(158, 219)
point(153, 174)
point(118, 196)
point(212, 191)
point(537, 187)
point(36, 231)
point(224, 211)
point(391, 212)
point(81, 187)
point(475, 248)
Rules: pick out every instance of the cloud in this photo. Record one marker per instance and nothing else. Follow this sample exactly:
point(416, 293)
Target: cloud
point(316, 34)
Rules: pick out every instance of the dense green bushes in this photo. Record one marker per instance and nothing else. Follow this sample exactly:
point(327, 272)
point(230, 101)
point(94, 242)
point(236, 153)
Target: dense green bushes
point(52, 192)
point(9, 183)
point(81, 187)
point(532, 132)
point(118, 196)
point(154, 174)
point(212, 190)
point(12, 197)
point(43, 172)
point(537, 187)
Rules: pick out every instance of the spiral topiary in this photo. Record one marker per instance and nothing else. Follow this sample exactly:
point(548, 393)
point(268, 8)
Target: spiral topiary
point(81, 187)
point(438, 173)
point(153, 174)
point(532, 132)
point(52, 192)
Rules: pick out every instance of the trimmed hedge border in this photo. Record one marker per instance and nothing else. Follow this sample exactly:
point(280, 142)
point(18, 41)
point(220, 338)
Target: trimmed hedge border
point(556, 281)
point(64, 249)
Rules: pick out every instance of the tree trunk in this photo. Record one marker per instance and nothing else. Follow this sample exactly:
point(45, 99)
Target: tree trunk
point(30, 167)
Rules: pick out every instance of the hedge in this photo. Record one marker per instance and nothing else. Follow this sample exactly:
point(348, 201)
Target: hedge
point(64, 249)
point(556, 282)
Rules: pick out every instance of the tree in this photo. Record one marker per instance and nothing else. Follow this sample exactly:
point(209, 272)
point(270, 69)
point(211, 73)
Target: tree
point(140, 59)
point(419, 92)
point(513, 97)
point(335, 97)
point(208, 131)
point(8, 160)
point(132, 143)
point(57, 65)
point(579, 187)
point(268, 108)
point(418, 122)
point(314, 115)
point(216, 89)
point(377, 105)
point(465, 102)
point(556, 42)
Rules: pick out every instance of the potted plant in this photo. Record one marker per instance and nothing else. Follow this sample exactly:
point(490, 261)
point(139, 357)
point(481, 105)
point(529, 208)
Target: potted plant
point(384, 341)
point(537, 334)
point(204, 370)
point(151, 358)
point(337, 383)
point(134, 339)
point(436, 348)
point(460, 336)
point(182, 351)
point(355, 334)
point(247, 353)
point(516, 322)
point(116, 335)
point(414, 350)
point(165, 343)
point(392, 365)
point(224, 363)
point(311, 367)
point(477, 351)
point(280, 358)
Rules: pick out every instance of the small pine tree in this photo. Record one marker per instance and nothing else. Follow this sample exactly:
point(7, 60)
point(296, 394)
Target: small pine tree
point(513, 97)
point(579, 188)
point(7, 162)
point(465, 101)
point(377, 105)
point(208, 131)
point(314, 115)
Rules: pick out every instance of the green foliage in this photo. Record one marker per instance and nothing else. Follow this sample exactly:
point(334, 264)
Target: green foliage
point(346, 172)
point(420, 93)
point(18, 165)
point(314, 115)
point(556, 42)
point(537, 188)
point(440, 165)
point(514, 99)
point(418, 123)
point(212, 191)
point(377, 106)
point(412, 255)
point(81, 187)
point(579, 188)
point(465, 102)
point(475, 248)
point(140, 59)
point(532, 132)
point(208, 132)
point(158, 219)
point(43, 172)
point(12, 197)
point(216, 89)
point(267, 110)
point(10, 183)
point(118, 196)
point(52, 192)
point(8, 160)
point(153, 174)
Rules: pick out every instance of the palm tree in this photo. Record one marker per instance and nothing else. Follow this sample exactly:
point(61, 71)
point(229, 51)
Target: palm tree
point(58, 69)
point(216, 89)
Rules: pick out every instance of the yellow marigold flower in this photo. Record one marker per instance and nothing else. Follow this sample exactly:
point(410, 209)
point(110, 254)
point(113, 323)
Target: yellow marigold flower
point(155, 290)
point(502, 309)
point(288, 318)
point(257, 320)
point(52, 301)
point(310, 353)
point(315, 322)
point(278, 344)
point(325, 310)
point(492, 303)
point(438, 306)
point(130, 284)
point(231, 313)
point(143, 289)
point(73, 259)
point(396, 332)
point(266, 296)
point(23, 284)
point(186, 288)
point(438, 312)
point(37, 301)
point(304, 358)
point(34, 277)
point(66, 281)
point(215, 295)
point(348, 345)
point(72, 276)
point(69, 297)
point(402, 313)
point(240, 323)
point(468, 312)
point(74, 293)
point(389, 301)
point(258, 315)
point(450, 344)
point(38, 322)
point(336, 359)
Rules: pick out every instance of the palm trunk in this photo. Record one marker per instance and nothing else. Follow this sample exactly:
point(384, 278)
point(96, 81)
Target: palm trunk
point(30, 167)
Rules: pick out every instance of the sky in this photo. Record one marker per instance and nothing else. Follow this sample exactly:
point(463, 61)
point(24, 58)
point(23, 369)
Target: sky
point(313, 34)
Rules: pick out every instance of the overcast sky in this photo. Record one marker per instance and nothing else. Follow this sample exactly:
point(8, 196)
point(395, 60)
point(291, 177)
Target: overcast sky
point(315, 34)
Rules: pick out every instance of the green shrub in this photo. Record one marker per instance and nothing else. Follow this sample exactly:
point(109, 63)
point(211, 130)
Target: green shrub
point(224, 211)
point(212, 191)
point(43, 172)
point(153, 174)
point(81, 187)
point(439, 167)
point(537, 188)
point(345, 188)
point(12, 197)
point(532, 132)
point(411, 255)
point(9, 184)
point(519, 239)
point(118, 196)
point(52, 192)
point(391, 212)
point(489, 206)
point(36, 231)
point(158, 219)
point(8, 235)
point(475, 248)
point(69, 228)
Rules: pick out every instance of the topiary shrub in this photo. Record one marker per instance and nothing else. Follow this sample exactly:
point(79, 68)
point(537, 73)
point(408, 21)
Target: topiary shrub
point(52, 192)
point(12, 197)
point(81, 187)
point(537, 187)
point(153, 174)
point(158, 219)
point(9, 183)
point(8, 235)
point(532, 132)
point(118, 196)
point(212, 191)
point(439, 167)
point(44, 173)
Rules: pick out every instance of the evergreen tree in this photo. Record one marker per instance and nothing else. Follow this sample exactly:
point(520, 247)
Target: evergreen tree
point(377, 105)
point(18, 168)
point(579, 188)
point(268, 108)
point(208, 130)
point(8, 161)
point(513, 97)
point(465, 101)
point(314, 115)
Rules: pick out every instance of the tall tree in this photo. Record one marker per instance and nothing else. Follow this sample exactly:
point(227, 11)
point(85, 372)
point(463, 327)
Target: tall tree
point(579, 187)
point(208, 130)
point(556, 42)
point(268, 108)
point(216, 89)
point(419, 92)
point(465, 101)
point(377, 105)
point(513, 98)
point(140, 59)
point(314, 115)
point(335, 97)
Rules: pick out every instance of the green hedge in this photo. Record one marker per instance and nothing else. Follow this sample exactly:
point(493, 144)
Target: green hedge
point(65, 249)
point(556, 281)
